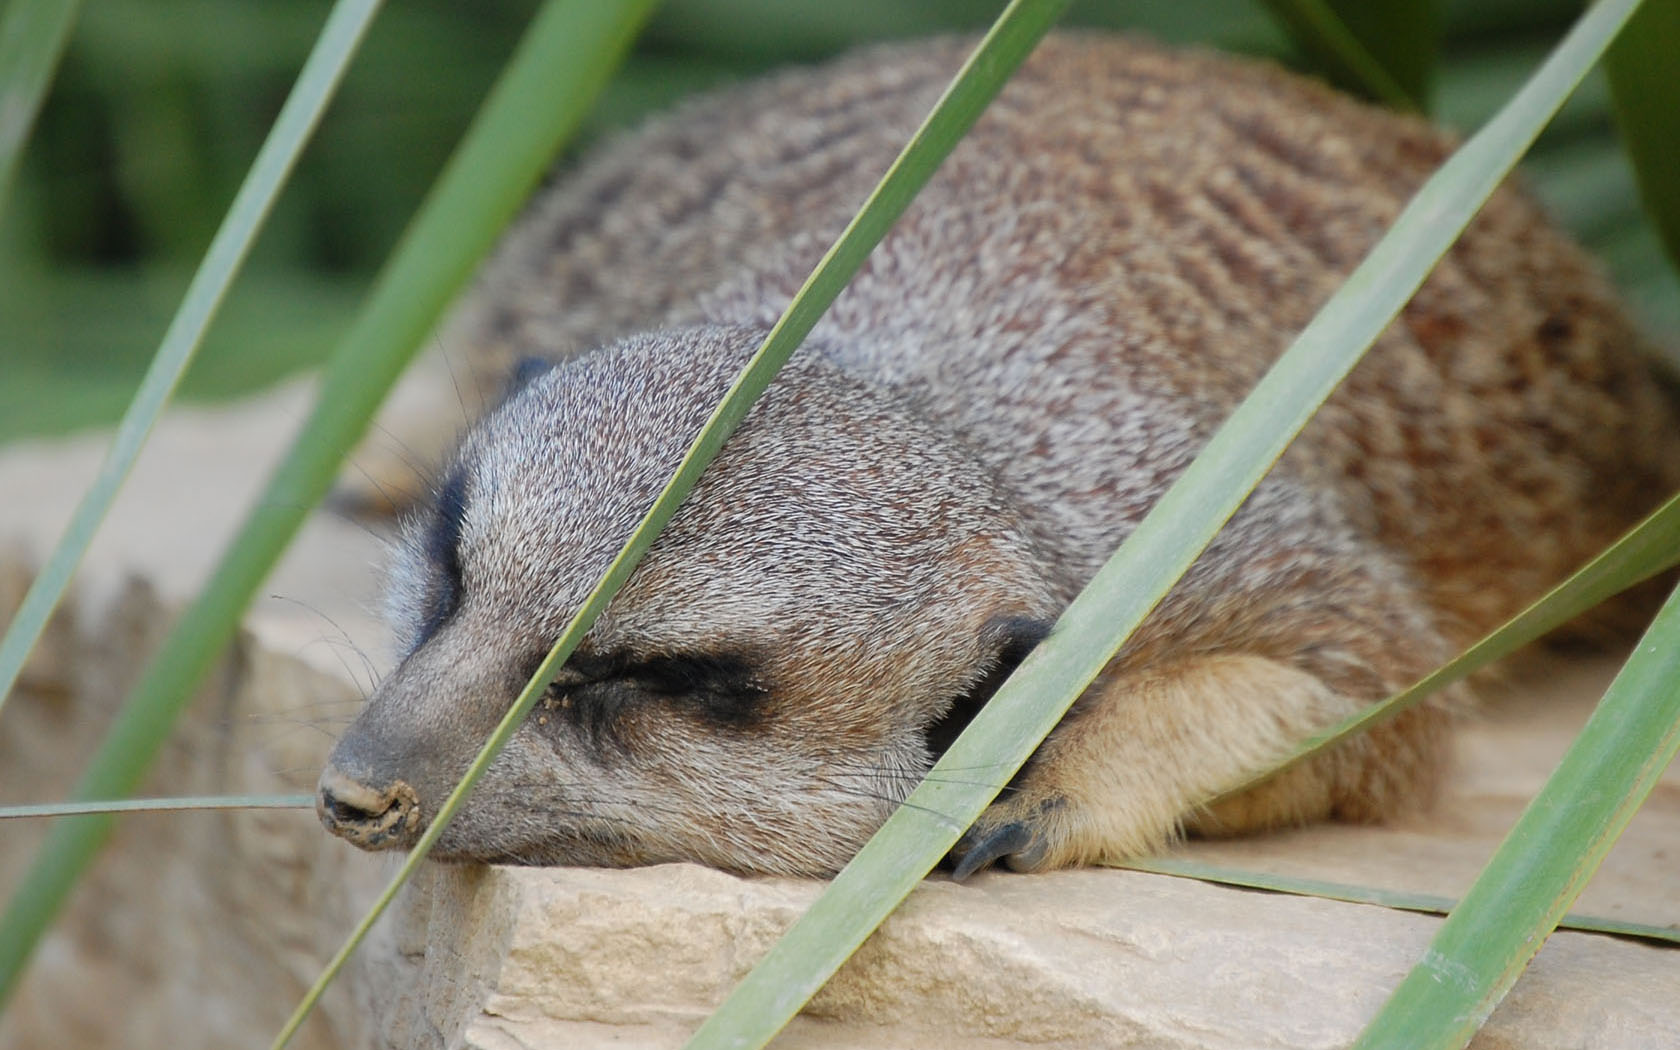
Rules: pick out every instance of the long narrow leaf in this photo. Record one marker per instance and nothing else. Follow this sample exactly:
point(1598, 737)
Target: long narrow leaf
point(1400, 900)
point(1645, 91)
point(567, 56)
point(1349, 59)
point(1648, 548)
point(1547, 858)
point(1403, 35)
point(1012, 37)
point(298, 117)
point(40, 810)
point(1186, 517)
point(32, 38)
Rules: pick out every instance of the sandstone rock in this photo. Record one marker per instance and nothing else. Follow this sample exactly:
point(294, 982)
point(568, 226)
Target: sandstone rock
point(192, 930)
point(1070, 959)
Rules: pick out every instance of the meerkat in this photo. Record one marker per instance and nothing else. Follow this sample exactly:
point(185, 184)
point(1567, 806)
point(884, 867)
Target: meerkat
point(1099, 273)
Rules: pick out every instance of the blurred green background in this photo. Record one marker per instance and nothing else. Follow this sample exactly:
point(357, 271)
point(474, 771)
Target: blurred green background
point(160, 106)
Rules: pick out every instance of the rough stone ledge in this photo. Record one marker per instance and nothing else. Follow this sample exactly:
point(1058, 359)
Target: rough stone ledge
point(1070, 959)
point(201, 930)
point(1089, 958)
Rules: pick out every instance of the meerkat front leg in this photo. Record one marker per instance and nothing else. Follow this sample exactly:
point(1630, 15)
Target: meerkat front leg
point(1125, 773)
point(1289, 622)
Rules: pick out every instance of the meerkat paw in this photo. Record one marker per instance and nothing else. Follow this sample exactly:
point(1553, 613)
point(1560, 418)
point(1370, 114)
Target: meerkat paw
point(1131, 766)
point(1049, 822)
point(1028, 832)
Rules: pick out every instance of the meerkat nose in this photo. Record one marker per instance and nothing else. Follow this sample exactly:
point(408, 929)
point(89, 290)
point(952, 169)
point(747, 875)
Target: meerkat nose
point(370, 817)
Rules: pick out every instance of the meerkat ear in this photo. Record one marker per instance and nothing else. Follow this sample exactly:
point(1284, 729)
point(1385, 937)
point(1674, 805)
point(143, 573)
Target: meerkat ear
point(526, 370)
point(1008, 639)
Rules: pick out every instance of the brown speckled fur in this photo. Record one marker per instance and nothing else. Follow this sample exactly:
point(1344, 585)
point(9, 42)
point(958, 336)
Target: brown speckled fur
point(1103, 268)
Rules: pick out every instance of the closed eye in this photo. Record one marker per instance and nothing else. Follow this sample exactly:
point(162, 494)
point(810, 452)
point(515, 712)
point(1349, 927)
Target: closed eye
point(722, 687)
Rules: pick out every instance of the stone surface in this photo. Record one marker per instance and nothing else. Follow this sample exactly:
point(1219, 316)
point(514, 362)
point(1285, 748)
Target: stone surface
point(197, 929)
point(202, 929)
point(1069, 959)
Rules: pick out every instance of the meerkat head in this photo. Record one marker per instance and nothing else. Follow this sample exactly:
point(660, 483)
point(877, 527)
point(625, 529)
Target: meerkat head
point(839, 592)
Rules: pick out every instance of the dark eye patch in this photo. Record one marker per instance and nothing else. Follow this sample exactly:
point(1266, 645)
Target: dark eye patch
point(596, 690)
point(442, 543)
point(721, 686)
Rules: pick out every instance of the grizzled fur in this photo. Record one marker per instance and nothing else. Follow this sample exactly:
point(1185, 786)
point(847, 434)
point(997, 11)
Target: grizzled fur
point(1100, 272)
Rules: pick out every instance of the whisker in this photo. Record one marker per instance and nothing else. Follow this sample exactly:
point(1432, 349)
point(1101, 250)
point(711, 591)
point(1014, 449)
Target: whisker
point(460, 399)
point(947, 819)
point(907, 776)
point(344, 639)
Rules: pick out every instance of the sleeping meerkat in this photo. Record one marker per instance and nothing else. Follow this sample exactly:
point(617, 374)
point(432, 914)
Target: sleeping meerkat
point(1101, 270)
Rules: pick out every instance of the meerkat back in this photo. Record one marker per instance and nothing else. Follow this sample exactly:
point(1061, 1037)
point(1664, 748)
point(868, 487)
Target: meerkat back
point(1099, 273)
point(1174, 216)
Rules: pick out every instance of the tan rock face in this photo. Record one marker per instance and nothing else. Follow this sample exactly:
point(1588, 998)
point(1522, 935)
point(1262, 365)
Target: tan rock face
point(1069, 959)
point(193, 929)
point(203, 929)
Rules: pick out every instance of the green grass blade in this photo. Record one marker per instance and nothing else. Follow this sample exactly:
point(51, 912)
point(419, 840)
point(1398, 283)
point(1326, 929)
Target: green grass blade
point(567, 55)
point(32, 38)
point(1403, 35)
point(1012, 37)
point(1400, 900)
point(1186, 517)
point(1547, 858)
point(1648, 548)
point(1383, 49)
point(42, 810)
point(298, 118)
point(1645, 90)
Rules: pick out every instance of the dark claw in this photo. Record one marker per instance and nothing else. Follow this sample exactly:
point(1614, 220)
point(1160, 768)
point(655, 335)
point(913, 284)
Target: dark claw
point(979, 852)
point(1031, 856)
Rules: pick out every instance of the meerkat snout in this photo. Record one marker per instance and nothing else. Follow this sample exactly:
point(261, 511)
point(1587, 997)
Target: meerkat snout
point(373, 817)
